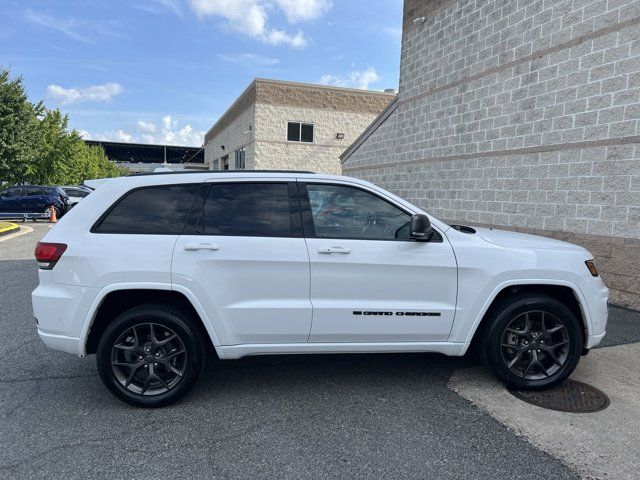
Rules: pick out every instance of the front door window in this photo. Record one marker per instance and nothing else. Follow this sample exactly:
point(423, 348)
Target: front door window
point(350, 213)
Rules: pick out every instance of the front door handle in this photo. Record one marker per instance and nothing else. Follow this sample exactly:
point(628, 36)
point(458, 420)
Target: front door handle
point(330, 250)
point(193, 247)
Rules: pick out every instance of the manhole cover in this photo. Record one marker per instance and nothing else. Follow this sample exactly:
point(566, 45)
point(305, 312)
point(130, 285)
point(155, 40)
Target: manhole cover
point(569, 396)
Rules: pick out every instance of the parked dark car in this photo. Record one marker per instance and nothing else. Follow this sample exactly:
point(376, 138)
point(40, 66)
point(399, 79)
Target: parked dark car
point(76, 194)
point(33, 199)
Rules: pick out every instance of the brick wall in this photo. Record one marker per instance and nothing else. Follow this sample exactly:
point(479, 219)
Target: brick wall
point(524, 115)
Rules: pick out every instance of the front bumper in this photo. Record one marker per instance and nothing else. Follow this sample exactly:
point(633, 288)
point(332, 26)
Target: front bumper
point(594, 340)
point(597, 304)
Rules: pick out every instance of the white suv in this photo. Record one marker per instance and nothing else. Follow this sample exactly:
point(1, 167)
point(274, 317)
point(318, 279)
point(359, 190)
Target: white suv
point(154, 272)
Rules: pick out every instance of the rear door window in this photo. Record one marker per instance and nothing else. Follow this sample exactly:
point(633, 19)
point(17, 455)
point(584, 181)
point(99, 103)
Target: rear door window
point(159, 210)
point(251, 210)
point(12, 192)
point(35, 191)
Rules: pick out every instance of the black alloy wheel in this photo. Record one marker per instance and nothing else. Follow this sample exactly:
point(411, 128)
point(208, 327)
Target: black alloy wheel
point(531, 341)
point(535, 345)
point(150, 356)
point(149, 359)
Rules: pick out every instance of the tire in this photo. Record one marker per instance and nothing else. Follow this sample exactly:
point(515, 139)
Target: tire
point(150, 373)
point(534, 360)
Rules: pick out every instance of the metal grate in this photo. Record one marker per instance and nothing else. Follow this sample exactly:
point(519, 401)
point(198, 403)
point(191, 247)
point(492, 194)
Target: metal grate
point(570, 396)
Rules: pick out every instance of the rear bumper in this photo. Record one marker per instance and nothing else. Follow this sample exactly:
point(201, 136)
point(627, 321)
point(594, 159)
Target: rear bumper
point(61, 342)
point(60, 311)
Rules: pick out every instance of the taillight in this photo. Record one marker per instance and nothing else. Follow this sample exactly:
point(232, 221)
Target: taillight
point(48, 254)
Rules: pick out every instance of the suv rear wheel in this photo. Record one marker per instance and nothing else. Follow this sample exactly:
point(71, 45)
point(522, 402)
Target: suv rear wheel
point(150, 356)
point(532, 342)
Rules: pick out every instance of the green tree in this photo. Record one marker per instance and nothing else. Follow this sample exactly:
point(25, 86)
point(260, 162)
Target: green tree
point(18, 124)
point(36, 145)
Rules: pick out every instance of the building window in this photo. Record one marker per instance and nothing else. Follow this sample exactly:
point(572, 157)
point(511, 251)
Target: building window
point(225, 162)
point(240, 159)
point(215, 165)
point(300, 132)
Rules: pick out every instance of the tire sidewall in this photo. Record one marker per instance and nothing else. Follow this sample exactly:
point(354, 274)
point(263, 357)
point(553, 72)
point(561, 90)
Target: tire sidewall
point(163, 317)
point(495, 332)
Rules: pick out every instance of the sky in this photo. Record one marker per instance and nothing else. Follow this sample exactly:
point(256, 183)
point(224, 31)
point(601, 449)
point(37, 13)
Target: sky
point(163, 71)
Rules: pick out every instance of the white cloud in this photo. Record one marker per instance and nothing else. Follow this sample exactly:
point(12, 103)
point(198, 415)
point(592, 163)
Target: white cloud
point(167, 132)
point(249, 59)
point(250, 17)
point(84, 134)
point(174, 5)
point(95, 93)
point(280, 37)
point(78, 29)
point(168, 123)
point(147, 127)
point(122, 136)
point(355, 79)
point(68, 26)
point(303, 10)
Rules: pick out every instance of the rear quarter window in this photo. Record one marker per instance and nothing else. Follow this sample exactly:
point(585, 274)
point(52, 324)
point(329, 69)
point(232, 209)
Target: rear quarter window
point(158, 210)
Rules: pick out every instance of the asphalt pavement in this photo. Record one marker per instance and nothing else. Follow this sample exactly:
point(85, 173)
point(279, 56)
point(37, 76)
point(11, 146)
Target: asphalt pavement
point(288, 417)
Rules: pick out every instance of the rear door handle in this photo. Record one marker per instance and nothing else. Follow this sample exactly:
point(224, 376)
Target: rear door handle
point(330, 250)
point(193, 247)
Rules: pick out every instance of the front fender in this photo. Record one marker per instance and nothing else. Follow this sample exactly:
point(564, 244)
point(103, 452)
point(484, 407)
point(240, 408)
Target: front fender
point(467, 324)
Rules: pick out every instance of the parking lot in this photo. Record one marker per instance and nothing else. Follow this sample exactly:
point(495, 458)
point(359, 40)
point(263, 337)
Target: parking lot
point(342, 416)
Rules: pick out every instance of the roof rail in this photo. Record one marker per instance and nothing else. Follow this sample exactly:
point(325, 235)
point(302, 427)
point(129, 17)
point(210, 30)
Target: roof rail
point(183, 172)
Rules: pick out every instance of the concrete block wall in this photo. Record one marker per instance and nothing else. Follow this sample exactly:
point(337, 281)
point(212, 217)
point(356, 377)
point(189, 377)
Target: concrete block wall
point(266, 106)
point(523, 115)
point(238, 133)
point(273, 151)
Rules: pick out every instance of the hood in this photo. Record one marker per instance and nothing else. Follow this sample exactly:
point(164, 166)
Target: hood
point(504, 238)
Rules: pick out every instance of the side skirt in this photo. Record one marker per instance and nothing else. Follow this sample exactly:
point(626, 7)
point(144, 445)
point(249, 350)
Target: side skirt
point(229, 352)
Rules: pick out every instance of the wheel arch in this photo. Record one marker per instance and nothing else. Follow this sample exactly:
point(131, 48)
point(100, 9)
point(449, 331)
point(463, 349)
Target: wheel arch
point(116, 299)
point(565, 292)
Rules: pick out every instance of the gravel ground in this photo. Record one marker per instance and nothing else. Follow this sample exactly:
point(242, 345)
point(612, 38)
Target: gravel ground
point(343, 416)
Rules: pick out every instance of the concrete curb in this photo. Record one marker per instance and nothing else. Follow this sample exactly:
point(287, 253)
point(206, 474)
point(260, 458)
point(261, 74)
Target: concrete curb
point(21, 231)
point(11, 228)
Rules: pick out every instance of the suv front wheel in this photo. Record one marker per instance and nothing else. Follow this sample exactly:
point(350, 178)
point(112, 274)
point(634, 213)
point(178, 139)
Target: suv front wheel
point(150, 356)
point(531, 342)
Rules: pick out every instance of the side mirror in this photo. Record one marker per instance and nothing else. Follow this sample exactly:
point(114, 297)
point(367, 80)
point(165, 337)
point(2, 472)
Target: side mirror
point(421, 229)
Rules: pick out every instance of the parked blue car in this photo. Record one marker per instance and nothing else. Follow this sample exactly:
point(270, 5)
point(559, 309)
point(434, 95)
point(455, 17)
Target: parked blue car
point(32, 201)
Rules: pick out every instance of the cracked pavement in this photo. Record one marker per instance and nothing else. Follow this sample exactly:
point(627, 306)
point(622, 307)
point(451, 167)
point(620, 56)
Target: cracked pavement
point(344, 416)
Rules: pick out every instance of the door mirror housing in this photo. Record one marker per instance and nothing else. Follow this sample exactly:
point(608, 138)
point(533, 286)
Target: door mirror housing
point(421, 229)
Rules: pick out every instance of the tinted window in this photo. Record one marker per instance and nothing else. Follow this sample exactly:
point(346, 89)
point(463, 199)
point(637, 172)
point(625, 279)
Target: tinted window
point(307, 133)
point(240, 158)
point(293, 131)
point(345, 212)
point(75, 192)
point(35, 191)
point(248, 209)
point(152, 210)
point(300, 132)
point(12, 192)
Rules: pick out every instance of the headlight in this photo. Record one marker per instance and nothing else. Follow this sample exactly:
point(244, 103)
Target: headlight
point(592, 267)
